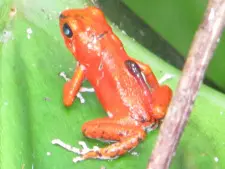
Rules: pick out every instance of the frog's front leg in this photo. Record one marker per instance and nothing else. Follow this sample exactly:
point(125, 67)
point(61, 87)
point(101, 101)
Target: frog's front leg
point(72, 87)
point(127, 137)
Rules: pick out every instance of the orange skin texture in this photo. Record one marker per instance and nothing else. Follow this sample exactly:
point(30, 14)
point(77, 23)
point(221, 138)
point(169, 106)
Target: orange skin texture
point(132, 104)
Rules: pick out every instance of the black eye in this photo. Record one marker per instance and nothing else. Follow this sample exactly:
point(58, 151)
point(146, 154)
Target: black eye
point(67, 31)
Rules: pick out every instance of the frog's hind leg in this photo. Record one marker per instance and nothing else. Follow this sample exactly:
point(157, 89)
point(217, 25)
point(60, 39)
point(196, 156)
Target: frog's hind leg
point(127, 137)
point(161, 99)
point(161, 95)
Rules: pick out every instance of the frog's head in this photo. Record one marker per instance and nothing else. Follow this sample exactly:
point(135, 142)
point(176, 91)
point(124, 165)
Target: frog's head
point(79, 27)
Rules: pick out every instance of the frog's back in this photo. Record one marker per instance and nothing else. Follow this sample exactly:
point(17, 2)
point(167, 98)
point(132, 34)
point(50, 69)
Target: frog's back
point(116, 87)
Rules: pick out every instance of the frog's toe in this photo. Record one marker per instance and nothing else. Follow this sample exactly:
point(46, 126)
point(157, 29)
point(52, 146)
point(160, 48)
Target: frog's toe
point(85, 148)
point(85, 152)
point(77, 159)
point(67, 146)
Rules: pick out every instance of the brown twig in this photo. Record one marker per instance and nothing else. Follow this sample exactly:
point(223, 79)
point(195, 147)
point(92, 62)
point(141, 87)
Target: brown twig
point(198, 59)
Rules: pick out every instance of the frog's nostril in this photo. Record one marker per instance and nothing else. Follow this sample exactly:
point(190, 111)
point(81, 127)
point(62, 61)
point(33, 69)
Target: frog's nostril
point(61, 16)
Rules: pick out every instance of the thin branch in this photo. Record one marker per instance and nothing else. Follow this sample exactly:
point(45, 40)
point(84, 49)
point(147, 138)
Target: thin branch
point(198, 59)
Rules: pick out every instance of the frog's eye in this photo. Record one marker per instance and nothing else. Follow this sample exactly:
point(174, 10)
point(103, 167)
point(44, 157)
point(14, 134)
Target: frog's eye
point(67, 31)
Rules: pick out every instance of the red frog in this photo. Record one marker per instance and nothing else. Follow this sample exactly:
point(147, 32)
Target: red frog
point(127, 88)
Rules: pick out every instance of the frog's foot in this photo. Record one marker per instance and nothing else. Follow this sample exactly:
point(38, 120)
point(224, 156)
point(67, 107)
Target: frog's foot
point(151, 127)
point(85, 150)
point(134, 153)
point(64, 76)
point(166, 77)
point(82, 151)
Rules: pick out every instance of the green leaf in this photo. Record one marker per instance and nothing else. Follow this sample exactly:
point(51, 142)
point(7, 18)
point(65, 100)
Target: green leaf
point(32, 113)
